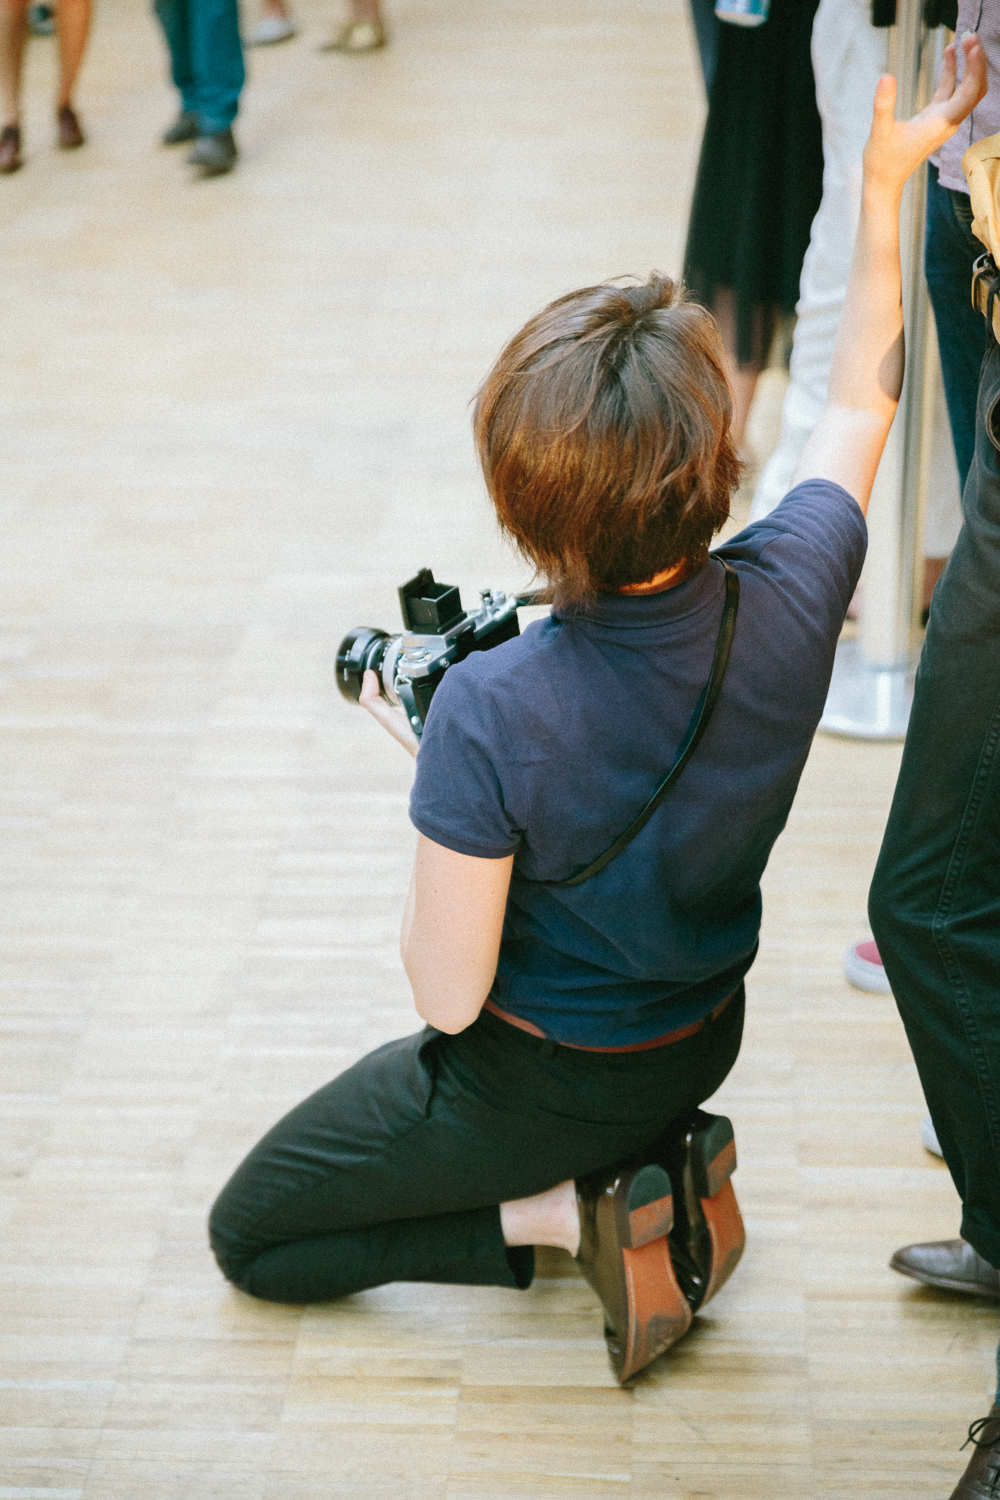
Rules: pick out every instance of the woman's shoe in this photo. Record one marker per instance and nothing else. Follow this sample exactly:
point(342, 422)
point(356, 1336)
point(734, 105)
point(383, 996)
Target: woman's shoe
point(70, 133)
point(270, 30)
point(708, 1237)
point(625, 1217)
point(356, 36)
point(10, 148)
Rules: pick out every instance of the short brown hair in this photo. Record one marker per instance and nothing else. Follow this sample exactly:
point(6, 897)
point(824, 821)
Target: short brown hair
point(603, 434)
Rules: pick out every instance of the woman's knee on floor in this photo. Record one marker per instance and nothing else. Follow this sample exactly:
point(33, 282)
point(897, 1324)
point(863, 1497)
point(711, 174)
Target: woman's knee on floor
point(231, 1236)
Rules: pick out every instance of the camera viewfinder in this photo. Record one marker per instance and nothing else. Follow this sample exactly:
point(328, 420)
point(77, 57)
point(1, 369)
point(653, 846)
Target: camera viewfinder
point(429, 608)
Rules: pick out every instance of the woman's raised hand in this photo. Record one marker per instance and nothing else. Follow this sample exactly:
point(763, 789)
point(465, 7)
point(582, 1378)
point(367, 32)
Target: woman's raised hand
point(896, 148)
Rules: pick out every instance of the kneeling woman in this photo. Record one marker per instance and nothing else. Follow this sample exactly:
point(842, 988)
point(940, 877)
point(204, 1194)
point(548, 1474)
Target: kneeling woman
point(577, 1017)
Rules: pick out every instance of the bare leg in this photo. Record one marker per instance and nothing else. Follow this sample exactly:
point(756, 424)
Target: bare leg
point(742, 377)
point(549, 1218)
point(743, 380)
point(13, 31)
point(72, 25)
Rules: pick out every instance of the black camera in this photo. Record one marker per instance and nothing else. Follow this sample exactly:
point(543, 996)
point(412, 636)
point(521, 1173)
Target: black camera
point(437, 632)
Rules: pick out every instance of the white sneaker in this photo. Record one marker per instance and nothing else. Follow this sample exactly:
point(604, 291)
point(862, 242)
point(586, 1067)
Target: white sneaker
point(928, 1137)
point(864, 970)
point(270, 30)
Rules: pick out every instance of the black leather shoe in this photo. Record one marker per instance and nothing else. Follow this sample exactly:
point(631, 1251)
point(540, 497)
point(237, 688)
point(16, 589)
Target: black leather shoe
point(707, 1238)
point(214, 154)
point(184, 128)
point(950, 1264)
point(981, 1480)
point(625, 1215)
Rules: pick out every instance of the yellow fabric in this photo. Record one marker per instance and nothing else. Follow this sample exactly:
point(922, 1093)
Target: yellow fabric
point(981, 165)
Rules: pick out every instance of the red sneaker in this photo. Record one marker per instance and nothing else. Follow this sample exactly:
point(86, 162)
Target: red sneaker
point(863, 967)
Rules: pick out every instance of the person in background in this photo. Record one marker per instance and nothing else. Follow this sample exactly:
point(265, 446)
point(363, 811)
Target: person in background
point(935, 897)
point(759, 183)
point(706, 31)
point(73, 28)
point(949, 252)
point(275, 25)
point(362, 31)
point(206, 62)
point(42, 20)
point(849, 51)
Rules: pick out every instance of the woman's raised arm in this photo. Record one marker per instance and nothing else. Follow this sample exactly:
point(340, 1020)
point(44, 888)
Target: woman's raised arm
point(866, 374)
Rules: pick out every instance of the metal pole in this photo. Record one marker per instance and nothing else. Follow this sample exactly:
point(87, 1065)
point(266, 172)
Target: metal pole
point(872, 684)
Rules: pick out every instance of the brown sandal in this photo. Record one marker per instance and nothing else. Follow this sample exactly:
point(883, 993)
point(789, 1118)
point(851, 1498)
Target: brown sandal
point(70, 133)
point(10, 148)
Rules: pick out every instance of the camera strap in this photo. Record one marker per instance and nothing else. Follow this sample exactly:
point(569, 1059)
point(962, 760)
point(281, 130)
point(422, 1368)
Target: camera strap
point(703, 711)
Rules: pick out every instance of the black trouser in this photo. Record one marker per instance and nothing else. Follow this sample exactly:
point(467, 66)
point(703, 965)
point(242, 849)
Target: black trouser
point(395, 1171)
point(935, 899)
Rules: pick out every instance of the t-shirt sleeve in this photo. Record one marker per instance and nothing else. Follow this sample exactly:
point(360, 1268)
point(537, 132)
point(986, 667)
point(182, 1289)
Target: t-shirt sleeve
point(465, 786)
point(814, 542)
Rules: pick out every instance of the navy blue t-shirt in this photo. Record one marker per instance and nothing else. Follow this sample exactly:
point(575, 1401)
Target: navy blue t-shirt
point(548, 746)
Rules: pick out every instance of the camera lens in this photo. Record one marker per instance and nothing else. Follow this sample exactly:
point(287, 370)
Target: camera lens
point(361, 650)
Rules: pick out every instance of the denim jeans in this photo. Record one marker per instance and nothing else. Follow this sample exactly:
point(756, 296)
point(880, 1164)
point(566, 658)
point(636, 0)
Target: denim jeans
point(395, 1170)
point(935, 898)
point(206, 58)
point(949, 251)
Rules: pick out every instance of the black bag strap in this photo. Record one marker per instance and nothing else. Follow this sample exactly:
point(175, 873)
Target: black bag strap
point(703, 711)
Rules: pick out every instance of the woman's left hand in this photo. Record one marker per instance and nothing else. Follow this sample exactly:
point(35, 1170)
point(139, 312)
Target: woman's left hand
point(390, 715)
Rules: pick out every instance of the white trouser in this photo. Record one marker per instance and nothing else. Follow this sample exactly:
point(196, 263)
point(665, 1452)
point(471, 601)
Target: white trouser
point(848, 57)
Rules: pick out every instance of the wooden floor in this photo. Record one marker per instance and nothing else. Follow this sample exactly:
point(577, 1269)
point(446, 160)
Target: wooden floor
point(234, 419)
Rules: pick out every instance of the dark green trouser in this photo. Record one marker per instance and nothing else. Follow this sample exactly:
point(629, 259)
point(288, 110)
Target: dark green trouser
point(935, 899)
point(395, 1170)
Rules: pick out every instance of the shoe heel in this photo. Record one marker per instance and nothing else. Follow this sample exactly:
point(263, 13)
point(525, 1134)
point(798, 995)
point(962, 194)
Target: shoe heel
point(644, 1206)
point(713, 1162)
point(713, 1153)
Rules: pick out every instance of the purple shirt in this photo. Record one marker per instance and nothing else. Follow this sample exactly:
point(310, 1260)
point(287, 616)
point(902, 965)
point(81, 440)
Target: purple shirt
point(982, 16)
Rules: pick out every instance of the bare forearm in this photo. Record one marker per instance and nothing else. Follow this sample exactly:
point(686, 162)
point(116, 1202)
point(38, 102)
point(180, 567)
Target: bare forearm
point(866, 373)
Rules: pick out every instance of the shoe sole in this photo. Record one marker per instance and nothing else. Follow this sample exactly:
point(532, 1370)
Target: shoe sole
point(713, 1162)
point(657, 1312)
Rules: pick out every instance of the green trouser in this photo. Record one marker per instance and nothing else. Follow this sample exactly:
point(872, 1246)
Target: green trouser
point(395, 1171)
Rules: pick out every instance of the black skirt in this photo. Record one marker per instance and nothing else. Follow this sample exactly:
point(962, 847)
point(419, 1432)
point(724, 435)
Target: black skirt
point(760, 176)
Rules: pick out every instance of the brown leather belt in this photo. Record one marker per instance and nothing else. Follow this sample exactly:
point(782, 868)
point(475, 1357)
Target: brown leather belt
point(657, 1041)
